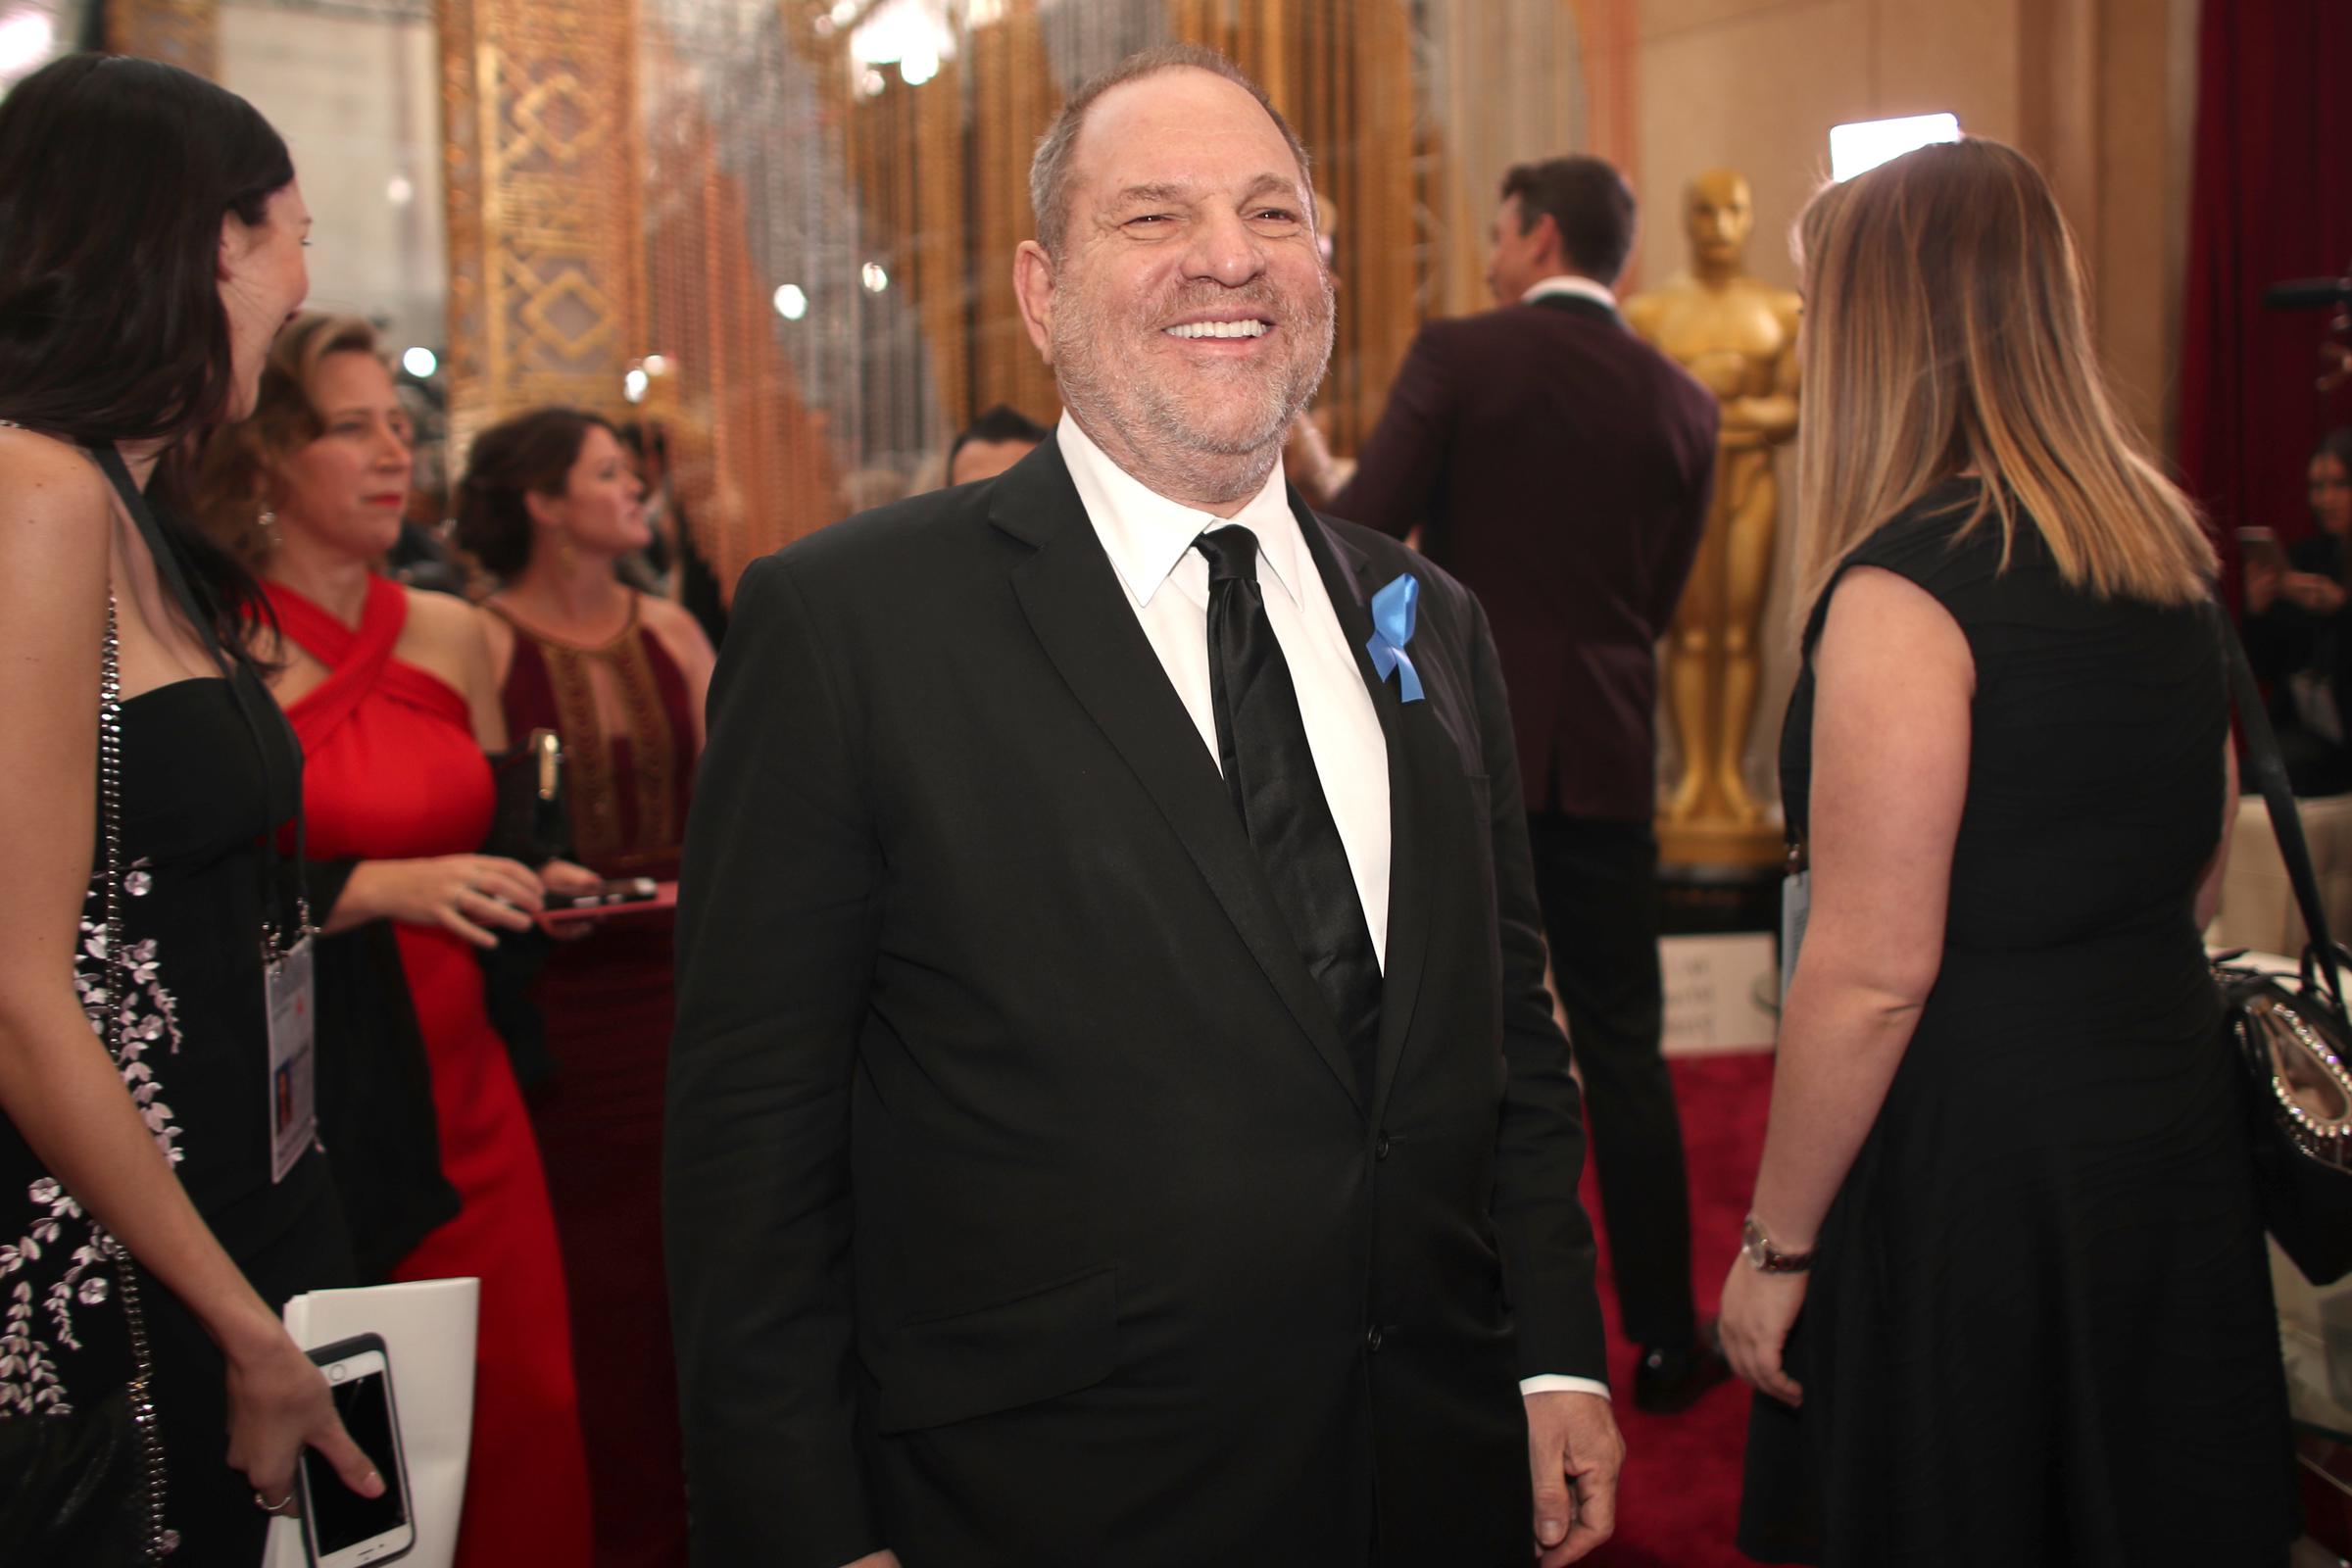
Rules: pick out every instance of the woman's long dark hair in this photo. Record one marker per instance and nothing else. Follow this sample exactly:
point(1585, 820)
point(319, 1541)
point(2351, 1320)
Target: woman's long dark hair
point(115, 175)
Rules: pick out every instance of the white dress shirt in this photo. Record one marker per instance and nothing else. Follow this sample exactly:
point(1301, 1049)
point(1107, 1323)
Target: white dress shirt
point(1149, 541)
point(1570, 283)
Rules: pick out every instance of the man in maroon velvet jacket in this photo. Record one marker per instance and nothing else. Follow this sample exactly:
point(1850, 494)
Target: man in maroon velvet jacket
point(1560, 467)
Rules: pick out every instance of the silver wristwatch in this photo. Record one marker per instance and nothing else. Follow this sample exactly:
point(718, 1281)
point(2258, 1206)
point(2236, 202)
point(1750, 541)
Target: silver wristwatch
point(1766, 1258)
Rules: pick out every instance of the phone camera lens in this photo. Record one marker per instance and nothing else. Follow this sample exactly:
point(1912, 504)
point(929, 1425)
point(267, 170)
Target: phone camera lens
point(337, 1374)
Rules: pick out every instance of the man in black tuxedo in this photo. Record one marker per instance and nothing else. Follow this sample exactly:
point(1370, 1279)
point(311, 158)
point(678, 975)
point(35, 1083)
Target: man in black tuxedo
point(1560, 468)
point(1114, 1116)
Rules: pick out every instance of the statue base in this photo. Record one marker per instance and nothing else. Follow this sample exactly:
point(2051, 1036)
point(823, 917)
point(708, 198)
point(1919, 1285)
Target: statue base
point(1718, 899)
point(1731, 846)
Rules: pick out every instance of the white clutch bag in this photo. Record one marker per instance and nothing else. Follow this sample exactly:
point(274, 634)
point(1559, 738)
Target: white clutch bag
point(427, 1329)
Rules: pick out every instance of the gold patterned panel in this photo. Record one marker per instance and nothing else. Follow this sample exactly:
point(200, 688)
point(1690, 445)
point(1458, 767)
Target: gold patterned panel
point(541, 183)
point(179, 32)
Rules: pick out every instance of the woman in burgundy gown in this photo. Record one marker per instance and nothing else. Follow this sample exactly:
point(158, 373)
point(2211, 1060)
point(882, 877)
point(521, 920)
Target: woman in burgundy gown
point(389, 689)
point(550, 505)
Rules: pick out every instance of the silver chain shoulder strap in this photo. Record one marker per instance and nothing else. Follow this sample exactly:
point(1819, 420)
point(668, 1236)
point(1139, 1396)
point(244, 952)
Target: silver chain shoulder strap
point(160, 1542)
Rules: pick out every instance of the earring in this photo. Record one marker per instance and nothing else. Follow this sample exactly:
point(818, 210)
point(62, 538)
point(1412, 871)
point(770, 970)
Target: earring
point(566, 556)
point(265, 528)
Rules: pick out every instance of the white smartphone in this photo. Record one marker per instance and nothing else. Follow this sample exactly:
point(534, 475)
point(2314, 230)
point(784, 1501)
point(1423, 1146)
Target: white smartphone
point(341, 1528)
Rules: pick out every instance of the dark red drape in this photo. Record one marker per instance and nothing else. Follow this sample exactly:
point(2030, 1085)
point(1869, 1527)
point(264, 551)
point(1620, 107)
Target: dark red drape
point(2271, 199)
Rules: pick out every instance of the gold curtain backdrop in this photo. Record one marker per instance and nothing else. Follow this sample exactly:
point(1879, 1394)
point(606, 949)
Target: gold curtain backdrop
point(539, 170)
point(832, 191)
point(785, 229)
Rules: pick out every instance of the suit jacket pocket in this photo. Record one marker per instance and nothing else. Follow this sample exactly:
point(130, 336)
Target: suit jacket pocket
point(1057, 1339)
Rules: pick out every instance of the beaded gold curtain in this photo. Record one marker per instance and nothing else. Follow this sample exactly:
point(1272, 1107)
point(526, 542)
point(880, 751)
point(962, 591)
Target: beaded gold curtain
point(832, 191)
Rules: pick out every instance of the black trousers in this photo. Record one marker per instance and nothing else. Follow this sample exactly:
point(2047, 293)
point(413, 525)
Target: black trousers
point(1598, 883)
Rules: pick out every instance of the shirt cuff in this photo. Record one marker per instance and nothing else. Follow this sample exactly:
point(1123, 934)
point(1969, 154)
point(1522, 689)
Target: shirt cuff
point(1555, 1383)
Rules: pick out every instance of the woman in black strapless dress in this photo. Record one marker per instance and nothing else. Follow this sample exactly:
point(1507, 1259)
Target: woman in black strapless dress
point(151, 1403)
point(2005, 1298)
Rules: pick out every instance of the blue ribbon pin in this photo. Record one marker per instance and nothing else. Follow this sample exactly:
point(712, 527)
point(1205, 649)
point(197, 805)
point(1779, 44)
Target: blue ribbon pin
point(1393, 615)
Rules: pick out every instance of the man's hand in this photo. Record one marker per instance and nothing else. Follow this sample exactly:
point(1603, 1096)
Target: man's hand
point(1574, 1453)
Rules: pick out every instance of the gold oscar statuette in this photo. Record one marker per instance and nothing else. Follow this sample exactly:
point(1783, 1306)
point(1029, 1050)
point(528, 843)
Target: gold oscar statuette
point(1737, 335)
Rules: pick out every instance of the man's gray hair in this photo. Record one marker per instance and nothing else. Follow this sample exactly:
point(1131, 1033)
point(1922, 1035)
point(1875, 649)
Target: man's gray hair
point(1050, 169)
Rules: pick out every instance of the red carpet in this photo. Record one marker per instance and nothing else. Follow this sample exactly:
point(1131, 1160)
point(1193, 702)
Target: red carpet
point(1679, 1496)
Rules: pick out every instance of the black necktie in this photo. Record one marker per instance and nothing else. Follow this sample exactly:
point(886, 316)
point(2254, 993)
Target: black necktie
point(1261, 744)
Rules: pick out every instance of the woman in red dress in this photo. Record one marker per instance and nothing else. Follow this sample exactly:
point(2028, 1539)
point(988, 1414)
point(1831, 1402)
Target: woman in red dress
point(550, 504)
point(391, 692)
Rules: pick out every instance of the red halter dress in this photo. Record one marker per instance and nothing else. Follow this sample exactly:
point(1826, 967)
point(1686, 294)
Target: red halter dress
point(393, 772)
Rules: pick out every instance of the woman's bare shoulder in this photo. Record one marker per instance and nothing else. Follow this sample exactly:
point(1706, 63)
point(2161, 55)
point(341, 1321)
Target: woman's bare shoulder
point(41, 474)
point(54, 512)
point(675, 624)
point(444, 618)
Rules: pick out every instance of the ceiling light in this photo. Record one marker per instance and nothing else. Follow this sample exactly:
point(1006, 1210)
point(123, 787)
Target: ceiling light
point(25, 40)
point(1865, 144)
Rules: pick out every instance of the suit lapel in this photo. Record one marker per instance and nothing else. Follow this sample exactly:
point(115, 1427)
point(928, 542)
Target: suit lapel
point(1411, 874)
point(1079, 611)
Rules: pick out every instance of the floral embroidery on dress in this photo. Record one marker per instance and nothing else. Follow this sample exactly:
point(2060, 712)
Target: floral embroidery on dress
point(145, 1014)
point(36, 1319)
point(28, 1380)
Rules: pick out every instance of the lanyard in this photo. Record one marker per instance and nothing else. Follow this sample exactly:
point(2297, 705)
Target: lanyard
point(284, 802)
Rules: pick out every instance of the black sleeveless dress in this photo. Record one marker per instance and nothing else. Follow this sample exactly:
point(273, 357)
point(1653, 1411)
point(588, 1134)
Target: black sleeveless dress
point(195, 1056)
point(2039, 1331)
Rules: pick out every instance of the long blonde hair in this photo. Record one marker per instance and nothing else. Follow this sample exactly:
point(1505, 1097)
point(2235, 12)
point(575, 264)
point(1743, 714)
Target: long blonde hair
point(1945, 332)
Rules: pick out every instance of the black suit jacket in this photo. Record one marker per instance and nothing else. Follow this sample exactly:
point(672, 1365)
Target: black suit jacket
point(1560, 468)
point(1020, 1206)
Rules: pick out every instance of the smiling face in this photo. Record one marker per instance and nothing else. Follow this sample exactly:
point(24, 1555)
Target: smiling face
point(264, 279)
point(1189, 314)
point(601, 512)
point(346, 488)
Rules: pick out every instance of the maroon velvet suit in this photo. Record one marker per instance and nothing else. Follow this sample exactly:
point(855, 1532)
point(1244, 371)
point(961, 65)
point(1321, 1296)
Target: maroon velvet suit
point(1561, 467)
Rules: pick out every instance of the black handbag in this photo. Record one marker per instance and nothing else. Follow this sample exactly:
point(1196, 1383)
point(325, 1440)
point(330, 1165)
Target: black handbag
point(532, 826)
point(530, 823)
point(2294, 1044)
point(76, 1488)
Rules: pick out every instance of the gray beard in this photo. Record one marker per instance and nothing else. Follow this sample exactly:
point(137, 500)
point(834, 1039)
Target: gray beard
point(1146, 431)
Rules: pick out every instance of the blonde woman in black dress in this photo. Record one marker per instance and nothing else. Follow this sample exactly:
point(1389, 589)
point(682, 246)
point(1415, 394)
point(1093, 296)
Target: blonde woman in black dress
point(2004, 1298)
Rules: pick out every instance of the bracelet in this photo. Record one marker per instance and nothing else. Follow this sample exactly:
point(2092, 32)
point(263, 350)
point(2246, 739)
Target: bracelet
point(1764, 1256)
